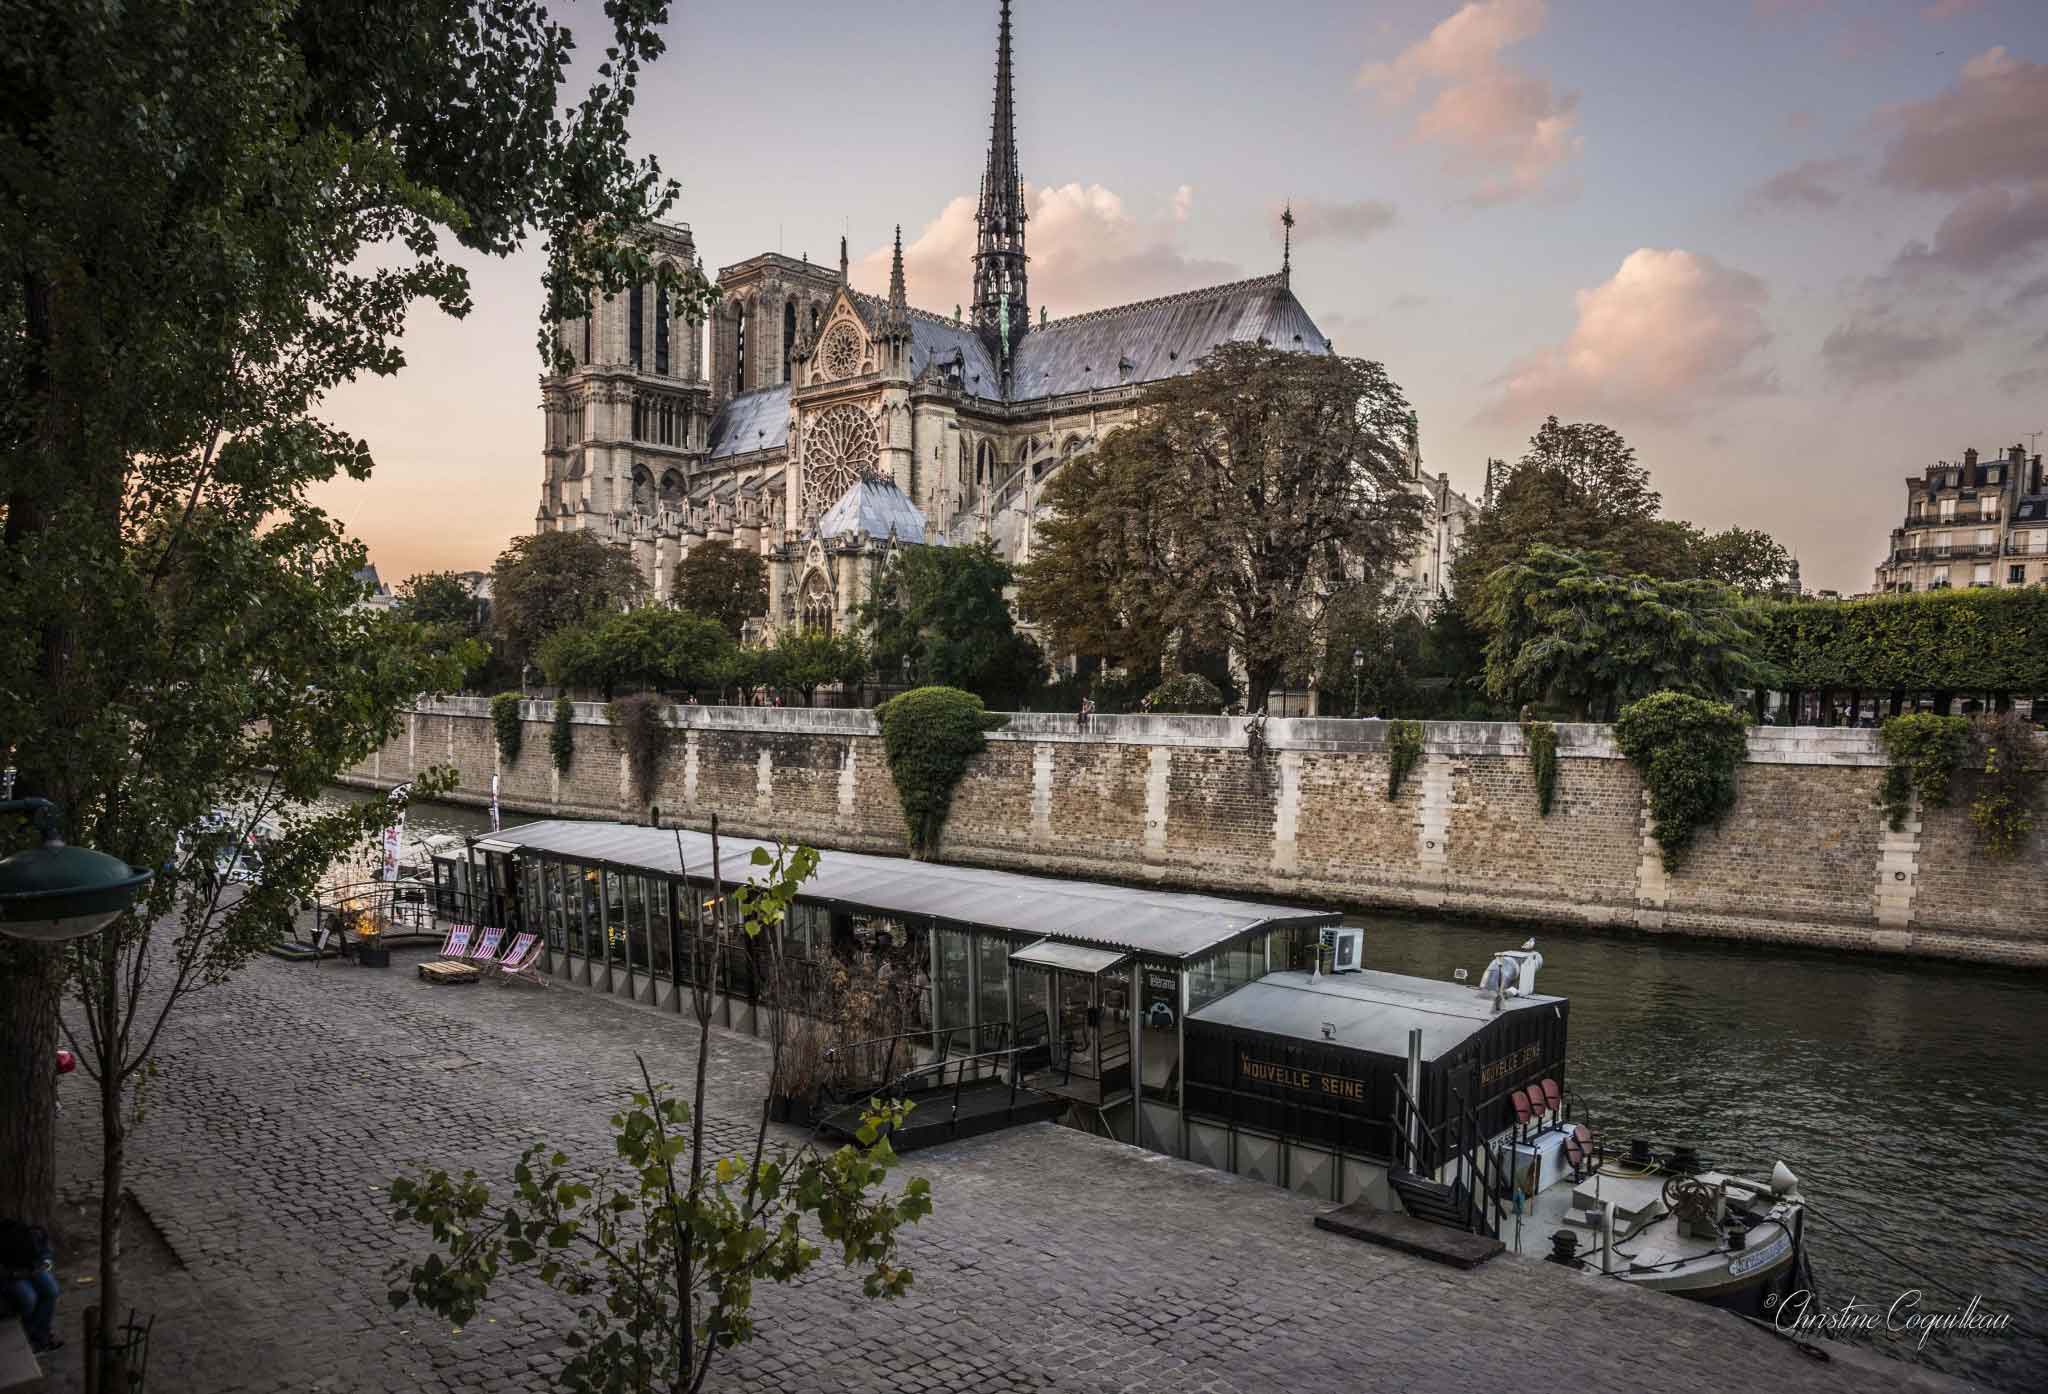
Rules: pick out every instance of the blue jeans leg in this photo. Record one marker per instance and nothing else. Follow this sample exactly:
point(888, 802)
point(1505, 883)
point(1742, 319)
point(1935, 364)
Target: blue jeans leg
point(35, 1299)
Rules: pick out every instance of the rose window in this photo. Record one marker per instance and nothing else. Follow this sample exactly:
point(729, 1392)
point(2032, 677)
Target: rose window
point(842, 352)
point(839, 447)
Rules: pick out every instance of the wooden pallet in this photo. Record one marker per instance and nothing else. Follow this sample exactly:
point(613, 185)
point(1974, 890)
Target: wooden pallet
point(448, 971)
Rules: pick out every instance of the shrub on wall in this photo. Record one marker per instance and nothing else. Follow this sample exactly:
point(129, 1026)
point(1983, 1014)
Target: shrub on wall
point(931, 735)
point(1186, 692)
point(1923, 752)
point(1404, 748)
point(1542, 739)
point(505, 718)
point(1687, 750)
point(640, 728)
point(562, 739)
point(2007, 780)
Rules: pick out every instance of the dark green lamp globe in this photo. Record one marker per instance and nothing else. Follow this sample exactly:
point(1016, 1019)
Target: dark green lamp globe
point(53, 892)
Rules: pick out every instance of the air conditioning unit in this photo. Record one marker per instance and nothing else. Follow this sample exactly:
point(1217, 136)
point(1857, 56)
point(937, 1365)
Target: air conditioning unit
point(1346, 947)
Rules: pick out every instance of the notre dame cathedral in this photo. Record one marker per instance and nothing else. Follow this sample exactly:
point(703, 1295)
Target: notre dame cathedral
point(821, 426)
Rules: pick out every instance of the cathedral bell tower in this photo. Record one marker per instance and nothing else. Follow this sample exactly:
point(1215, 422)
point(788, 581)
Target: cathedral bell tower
point(1002, 300)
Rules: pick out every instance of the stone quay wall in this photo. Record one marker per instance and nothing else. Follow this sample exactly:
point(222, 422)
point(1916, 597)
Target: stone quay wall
point(1806, 858)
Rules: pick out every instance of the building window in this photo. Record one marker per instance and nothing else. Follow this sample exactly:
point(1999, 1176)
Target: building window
point(1981, 574)
point(2016, 575)
point(636, 322)
point(788, 335)
point(739, 350)
point(1948, 510)
point(1989, 510)
point(1940, 578)
point(586, 332)
point(1986, 538)
point(661, 330)
point(1943, 540)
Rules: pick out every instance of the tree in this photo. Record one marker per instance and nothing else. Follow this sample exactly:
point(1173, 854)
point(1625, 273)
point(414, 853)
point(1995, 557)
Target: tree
point(724, 582)
point(653, 646)
point(1753, 562)
point(808, 659)
point(214, 215)
point(446, 605)
point(943, 610)
point(1373, 656)
point(659, 1259)
point(1568, 629)
point(549, 581)
point(1242, 498)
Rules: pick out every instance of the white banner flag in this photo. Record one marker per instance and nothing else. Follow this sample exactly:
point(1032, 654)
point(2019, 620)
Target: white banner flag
point(494, 804)
point(394, 836)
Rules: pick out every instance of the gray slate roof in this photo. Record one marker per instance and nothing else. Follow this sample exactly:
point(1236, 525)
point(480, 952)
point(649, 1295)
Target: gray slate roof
point(1370, 1011)
point(1163, 923)
point(1157, 339)
point(757, 420)
point(875, 507)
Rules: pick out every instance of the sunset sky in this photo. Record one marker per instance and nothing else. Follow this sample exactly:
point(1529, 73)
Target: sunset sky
point(1793, 249)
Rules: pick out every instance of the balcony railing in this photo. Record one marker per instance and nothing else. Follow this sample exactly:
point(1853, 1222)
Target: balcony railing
point(2021, 545)
point(1959, 552)
point(1956, 520)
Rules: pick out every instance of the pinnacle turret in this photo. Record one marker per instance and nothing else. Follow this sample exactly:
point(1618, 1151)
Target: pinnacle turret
point(1002, 300)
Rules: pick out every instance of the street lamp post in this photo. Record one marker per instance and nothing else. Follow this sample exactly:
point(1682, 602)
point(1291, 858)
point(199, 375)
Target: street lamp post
point(1357, 677)
point(53, 893)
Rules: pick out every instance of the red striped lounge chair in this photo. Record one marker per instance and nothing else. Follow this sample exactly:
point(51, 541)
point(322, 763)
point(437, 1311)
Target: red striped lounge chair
point(522, 961)
point(484, 952)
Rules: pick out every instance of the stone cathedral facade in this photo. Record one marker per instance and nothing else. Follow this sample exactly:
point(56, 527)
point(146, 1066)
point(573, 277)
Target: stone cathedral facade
point(822, 427)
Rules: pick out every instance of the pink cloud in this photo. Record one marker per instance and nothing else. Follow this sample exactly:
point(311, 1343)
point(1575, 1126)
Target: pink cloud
point(1992, 126)
point(1087, 251)
point(1669, 333)
point(1987, 229)
point(1808, 184)
point(1509, 129)
point(1942, 10)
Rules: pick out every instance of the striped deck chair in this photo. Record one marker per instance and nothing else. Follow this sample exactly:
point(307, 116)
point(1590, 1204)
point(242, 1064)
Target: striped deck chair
point(484, 952)
point(522, 961)
point(458, 941)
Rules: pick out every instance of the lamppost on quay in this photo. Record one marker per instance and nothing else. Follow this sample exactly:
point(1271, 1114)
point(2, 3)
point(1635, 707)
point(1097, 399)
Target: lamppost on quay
point(53, 893)
point(1357, 677)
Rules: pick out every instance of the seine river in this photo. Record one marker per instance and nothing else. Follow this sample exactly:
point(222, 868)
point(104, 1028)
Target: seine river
point(1910, 1097)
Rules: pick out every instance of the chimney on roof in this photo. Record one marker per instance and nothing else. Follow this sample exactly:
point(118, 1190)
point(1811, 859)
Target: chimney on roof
point(1970, 459)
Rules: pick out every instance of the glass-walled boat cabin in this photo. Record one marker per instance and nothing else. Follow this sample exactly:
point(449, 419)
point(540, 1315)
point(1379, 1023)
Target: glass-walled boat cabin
point(1108, 973)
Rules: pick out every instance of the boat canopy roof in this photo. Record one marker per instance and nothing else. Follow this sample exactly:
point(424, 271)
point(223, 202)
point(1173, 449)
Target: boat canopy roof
point(1165, 924)
point(1365, 1011)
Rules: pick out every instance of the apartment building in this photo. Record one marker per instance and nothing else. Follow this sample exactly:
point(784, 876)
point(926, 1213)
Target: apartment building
point(1977, 523)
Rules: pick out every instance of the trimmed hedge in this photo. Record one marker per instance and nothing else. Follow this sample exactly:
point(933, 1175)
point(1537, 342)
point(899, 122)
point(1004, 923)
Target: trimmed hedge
point(1930, 641)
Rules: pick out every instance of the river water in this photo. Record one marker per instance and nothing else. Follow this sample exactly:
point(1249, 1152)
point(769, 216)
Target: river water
point(1910, 1097)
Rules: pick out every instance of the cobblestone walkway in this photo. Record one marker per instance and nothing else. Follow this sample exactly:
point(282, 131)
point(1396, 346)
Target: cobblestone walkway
point(1053, 1261)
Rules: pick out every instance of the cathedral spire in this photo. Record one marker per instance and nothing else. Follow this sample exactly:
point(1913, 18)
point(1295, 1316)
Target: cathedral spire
point(1002, 302)
point(1287, 244)
point(844, 265)
point(899, 298)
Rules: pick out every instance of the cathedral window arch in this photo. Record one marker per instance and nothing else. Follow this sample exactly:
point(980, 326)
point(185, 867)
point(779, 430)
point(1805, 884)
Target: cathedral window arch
point(661, 334)
point(739, 351)
point(636, 323)
point(587, 318)
point(643, 489)
point(788, 335)
point(815, 605)
point(985, 467)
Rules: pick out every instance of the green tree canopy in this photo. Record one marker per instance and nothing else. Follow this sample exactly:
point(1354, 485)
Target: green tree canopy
point(1568, 629)
point(446, 607)
point(1579, 487)
point(213, 216)
point(548, 581)
point(1989, 640)
point(725, 582)
point(943, 609)
point(653, 646)
point(1243, 496)
point(808, 659)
